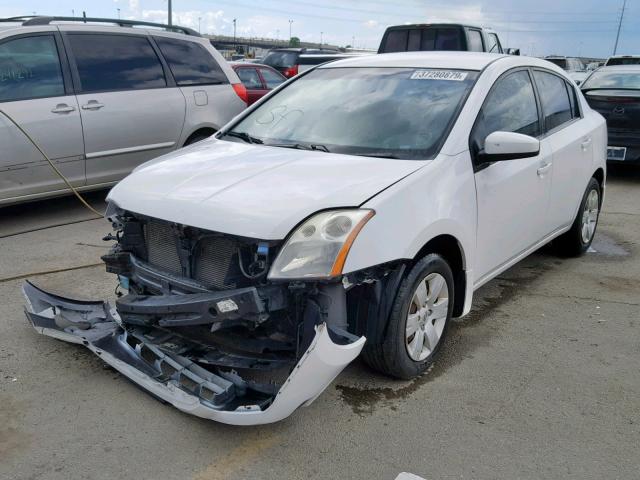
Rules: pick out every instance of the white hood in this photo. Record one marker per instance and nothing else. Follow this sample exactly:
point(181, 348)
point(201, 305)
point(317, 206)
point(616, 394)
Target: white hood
point(252, 190)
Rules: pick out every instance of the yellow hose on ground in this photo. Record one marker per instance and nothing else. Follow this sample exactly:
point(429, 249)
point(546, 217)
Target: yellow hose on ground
point(64, 179)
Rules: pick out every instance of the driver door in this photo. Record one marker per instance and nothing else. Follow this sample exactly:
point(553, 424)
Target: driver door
point(512, 195)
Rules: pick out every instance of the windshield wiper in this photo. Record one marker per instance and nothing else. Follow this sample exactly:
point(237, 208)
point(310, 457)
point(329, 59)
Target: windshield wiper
point(243, 136)
point(376, 155)
point(300, 146)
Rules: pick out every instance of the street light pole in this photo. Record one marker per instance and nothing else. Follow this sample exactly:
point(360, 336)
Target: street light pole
point(199, 20)
point(169, 11)
point(234, 31)
point(290, 22)
point(118, 13)
point(624, 6)
point(321, 33)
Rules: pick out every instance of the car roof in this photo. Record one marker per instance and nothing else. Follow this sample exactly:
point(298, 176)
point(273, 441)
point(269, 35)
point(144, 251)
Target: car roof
point(438, 24)
point(433, 59)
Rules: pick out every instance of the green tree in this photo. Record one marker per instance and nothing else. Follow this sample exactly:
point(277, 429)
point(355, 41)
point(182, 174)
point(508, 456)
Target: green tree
point(294, 42)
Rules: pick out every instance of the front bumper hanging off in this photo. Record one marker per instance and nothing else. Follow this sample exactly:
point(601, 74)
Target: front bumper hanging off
point(175, 379)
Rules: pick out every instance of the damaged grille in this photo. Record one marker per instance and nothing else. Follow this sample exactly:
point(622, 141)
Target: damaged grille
point(210, 260)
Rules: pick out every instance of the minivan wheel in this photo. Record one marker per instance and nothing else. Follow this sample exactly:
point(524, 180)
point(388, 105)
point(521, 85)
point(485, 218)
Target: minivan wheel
point(418, 322)
point(578, 239)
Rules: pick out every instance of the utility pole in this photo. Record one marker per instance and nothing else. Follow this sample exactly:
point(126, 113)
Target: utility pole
point(118, 13)
point(73, 12)
point(624, 6)
point(234, 32)
point(290, 22)
point(199, 20)
point(169, 11)
point(321, 33)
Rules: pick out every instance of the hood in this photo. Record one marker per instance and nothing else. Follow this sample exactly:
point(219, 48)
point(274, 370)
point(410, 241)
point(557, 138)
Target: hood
point(252, 190)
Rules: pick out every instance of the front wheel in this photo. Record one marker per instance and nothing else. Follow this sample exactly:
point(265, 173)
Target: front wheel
point(418, 322)
point(578, 239)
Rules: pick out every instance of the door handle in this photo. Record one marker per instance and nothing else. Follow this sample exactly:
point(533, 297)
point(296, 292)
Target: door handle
point(62, 108)
point(544, 169)
point(585, 145)
point(92, 105)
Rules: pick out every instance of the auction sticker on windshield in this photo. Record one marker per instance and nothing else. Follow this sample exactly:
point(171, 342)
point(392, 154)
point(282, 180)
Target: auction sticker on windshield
point(439, 75)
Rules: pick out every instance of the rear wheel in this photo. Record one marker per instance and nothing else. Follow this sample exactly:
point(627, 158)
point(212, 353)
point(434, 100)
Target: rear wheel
point(578, 239)
point(418, 322)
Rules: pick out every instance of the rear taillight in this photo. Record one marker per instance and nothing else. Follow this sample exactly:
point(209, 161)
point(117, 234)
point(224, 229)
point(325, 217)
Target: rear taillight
point(291, 71)
point(241, 91)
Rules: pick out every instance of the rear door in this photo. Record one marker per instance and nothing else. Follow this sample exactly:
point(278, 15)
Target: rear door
point(569, 137)
point(35, 90)
point(131, 110)
point(512, 195)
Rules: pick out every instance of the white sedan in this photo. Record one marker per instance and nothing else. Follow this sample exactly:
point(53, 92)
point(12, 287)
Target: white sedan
point(354, 209)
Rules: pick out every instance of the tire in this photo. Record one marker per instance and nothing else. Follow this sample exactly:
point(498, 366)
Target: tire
point(578, 239)
point(397, 353)
point(197, 137)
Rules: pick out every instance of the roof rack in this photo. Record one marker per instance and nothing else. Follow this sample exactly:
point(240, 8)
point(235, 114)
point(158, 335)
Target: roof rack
point(31, 20)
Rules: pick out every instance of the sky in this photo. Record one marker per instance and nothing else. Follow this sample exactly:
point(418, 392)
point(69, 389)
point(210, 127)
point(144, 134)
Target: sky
point(537, 27)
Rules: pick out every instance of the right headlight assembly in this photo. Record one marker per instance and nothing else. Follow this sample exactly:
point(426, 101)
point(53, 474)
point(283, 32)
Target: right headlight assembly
point(318, 248)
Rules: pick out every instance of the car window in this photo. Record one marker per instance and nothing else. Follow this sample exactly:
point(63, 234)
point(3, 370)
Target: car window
point(414, 40)
point(604, 79)
point(190, 63)
point(509, 107)
point(383, 112)
point(573, 99)
point(271, 78)
point(250, 78)
point(623, 61)
point(561, 62)
point(30, 68)
point(280, 59)
point(449, 39)
point(116, 62)
point(494, 43)
point(475, 41)
point(396, 41)
point(555, 99)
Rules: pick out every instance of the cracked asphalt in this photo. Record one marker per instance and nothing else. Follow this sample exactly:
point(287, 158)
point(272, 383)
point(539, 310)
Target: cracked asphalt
point(540, 381)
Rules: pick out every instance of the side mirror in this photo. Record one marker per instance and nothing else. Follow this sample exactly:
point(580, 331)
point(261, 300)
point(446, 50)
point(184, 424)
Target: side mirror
point(512, 51)
point(502, 146)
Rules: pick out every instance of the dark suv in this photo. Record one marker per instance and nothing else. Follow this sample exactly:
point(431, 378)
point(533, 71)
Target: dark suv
point(439, 36)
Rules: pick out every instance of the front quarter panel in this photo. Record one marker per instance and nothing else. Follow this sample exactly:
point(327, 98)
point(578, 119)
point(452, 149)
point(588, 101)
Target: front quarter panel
point(437, 200)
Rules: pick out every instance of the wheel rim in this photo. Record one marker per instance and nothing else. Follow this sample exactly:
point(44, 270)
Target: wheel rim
point(590, 216)
point(427, 316)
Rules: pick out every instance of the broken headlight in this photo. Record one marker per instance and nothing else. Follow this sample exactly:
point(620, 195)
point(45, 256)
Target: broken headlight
point(318, 248)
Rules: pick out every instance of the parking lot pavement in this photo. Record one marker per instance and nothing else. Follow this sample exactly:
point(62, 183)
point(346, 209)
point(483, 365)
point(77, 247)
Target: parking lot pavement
point(540, 381)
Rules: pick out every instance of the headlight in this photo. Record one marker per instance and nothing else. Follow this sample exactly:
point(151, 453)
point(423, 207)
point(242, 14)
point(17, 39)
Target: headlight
point(318, 248)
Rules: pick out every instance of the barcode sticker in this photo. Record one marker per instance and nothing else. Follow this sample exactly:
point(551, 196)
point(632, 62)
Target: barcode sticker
point(451, 75)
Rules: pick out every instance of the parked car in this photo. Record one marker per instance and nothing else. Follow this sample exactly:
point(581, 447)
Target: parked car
point(615, 93)
point(292, 61)
point(622, 60)
point(573, 66)
point(439, 36)
point(257, 79)
point(261, 262)
point(115, 96)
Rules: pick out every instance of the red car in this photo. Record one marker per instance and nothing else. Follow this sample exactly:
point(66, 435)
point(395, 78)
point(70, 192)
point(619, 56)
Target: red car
point(257, 79)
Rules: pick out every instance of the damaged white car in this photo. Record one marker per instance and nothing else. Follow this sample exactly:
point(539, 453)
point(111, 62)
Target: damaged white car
point(353, 210)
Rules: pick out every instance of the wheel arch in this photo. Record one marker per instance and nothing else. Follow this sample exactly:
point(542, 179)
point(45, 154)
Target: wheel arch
point(208, 131)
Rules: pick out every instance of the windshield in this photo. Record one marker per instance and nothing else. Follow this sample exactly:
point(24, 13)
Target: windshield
point(280, 59)
point(387, 112)
point(613, 80)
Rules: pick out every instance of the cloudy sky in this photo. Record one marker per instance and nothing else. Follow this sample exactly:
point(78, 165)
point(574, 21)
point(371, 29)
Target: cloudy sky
point(538, 27)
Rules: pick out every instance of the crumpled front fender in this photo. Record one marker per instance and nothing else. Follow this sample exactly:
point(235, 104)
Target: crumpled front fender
point(97, 326)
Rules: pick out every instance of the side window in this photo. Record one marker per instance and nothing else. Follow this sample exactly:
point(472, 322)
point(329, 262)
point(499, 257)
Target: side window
point(555, 99)
point(475, 41)
point(414, 41)
point(573, 99)
point(494, 44)
point(509, 107)
point(249, 77)
point(108, 62)
point(428, 42)
point(190, 62)
point(396, 41)
point(30, 68)
point(272, 79)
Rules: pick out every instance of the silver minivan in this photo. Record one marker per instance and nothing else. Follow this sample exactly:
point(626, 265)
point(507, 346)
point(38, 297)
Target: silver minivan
point(102, 99)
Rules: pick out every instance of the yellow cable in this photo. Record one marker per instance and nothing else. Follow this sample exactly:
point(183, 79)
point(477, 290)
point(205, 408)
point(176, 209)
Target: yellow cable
point(64, 179)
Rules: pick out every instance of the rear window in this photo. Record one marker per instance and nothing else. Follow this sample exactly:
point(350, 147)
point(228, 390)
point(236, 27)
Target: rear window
point(624, 61)
point(613, 80)
point(423, 39)
point(281, 59)
point(190, 62)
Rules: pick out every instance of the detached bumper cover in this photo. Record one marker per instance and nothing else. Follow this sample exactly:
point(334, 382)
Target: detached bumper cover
point(175, 379)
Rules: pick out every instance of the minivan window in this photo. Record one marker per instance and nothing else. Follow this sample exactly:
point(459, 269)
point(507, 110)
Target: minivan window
point(554, 98)
point(109, 62)
point(509, 107)
point(30, 68)
point(475, 41)
point(190, 63)
point(382, 112)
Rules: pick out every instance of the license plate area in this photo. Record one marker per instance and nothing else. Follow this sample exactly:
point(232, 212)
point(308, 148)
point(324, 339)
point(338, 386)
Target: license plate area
point(616, 153)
